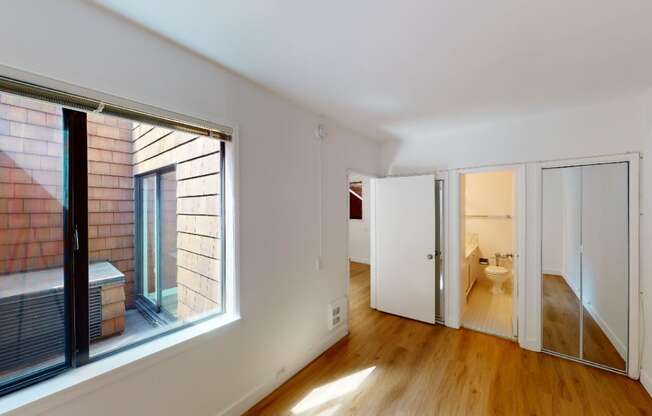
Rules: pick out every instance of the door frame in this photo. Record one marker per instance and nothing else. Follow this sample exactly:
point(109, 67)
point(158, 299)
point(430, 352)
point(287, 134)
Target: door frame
point(142, 300)
point(455, 294)
point(371, 212)
point(633, 159)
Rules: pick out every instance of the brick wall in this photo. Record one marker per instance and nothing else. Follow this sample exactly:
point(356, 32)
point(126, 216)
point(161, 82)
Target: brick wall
point(31, 191)
point(111, 195)
point(197, 188)
point(31, 188)
point(31, 185)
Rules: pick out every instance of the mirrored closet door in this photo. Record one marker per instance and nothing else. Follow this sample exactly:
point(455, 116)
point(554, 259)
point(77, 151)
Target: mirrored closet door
point(585, 263)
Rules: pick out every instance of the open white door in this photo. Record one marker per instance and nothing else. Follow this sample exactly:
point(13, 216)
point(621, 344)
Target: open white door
point(405, 246)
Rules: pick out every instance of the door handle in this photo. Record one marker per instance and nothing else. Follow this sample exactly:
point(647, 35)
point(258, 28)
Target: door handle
point(429, 256)
point(75, 239)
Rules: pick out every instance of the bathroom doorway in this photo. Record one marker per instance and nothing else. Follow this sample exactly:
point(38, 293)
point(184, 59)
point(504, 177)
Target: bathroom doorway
point(489, 251)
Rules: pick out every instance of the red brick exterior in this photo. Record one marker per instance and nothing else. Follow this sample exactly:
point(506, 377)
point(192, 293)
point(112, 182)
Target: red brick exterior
point(31, 213)
point(31, 188)
point(31, 195)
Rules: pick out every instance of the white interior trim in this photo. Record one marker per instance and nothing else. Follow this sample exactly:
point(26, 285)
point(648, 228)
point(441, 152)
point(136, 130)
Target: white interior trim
point(454, 291)
point(444, 176)
point(646, 381)
point(359, 260)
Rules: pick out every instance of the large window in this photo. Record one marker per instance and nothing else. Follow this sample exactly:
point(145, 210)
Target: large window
point(111, 233)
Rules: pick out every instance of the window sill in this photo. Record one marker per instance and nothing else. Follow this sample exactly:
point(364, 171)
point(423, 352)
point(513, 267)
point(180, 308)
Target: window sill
point(75, 382)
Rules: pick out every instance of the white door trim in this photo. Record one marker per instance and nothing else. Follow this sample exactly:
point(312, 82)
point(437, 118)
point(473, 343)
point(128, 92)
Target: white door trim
point(454, 294)
point(370, 195)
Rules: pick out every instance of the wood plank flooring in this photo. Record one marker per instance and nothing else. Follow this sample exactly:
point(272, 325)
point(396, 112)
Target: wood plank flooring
point(561, 326)
point(394, 366)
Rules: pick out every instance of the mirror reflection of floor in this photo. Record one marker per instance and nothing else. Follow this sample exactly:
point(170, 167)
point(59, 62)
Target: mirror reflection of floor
point(561, 326)
point(487, 312)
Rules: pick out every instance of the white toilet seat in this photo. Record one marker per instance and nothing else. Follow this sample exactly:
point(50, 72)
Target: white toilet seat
point(496, 269)
point(498, 275)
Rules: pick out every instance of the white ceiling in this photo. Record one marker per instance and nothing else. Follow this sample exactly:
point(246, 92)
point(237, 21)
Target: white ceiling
point(412, 68)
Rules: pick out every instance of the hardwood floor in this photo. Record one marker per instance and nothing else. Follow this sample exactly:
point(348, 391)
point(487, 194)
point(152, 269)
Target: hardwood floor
point(561, 326)
point(394, 366)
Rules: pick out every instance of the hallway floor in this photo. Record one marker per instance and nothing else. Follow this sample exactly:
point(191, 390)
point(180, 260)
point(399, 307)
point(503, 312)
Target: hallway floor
point(394, 366)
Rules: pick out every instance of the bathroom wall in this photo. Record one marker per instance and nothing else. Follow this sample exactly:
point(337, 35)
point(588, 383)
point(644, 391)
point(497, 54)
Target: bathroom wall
point(490, 193)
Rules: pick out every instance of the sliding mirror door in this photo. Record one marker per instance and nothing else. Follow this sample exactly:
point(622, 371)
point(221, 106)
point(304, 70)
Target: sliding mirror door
point(605, 265)
point(585, 263)
point(561, 269)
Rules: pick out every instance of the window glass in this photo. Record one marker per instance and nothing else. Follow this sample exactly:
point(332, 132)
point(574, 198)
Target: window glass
point(137, 207)
point(355, 200)
point(32, 207)
point(155, 246)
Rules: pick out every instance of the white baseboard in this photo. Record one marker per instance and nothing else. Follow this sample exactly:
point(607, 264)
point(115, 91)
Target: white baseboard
point(646, 381)
point(615, 341)
point(264, 389)
point(553, 272)
point(359, 260)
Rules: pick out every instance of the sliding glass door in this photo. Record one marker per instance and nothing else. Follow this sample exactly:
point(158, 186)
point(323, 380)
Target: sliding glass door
point(167, 231)
point(147, 246)
point(157, 243)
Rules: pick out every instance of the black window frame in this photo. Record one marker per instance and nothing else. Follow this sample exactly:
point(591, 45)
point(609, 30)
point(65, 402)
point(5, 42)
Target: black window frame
point(76, 259)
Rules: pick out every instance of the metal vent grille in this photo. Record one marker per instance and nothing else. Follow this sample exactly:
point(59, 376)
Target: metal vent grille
point(95, 312)
point(32, 329)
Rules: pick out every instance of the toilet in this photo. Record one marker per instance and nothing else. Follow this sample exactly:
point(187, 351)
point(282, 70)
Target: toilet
point(498, 275)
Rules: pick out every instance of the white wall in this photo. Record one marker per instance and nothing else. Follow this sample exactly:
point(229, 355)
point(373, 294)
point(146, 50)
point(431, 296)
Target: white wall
point(359, 229)
point(283, 298)
point(490, 193)
point(619, 125)
point(552, 222)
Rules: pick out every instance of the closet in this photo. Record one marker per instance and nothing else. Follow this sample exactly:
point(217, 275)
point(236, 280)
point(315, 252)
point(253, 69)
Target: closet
point(585, 274)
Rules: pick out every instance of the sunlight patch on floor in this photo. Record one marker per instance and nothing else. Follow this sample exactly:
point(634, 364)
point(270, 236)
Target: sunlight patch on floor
point(332, 391)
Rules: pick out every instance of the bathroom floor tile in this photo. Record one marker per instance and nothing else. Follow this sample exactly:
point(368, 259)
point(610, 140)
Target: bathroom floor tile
point(488, 312)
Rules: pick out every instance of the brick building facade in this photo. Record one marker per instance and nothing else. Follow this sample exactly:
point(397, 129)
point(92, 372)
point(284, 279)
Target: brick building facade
point(31, 195)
